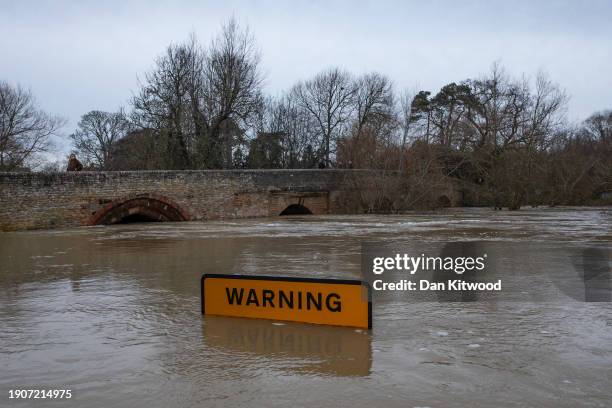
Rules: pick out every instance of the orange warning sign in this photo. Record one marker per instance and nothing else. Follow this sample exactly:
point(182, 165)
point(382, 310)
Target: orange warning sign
point(320, 301)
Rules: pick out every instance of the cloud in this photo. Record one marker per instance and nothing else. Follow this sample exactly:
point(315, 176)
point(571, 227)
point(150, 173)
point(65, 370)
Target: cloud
point(78, 56)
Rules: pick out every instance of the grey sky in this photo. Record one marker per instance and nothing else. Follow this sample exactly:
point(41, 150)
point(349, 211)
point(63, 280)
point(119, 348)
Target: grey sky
point(82, 55)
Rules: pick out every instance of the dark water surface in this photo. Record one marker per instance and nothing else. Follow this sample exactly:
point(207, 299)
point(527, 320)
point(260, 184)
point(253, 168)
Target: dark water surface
point(113, 313)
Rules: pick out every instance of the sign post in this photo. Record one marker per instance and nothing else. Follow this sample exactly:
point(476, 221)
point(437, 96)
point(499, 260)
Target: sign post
point(337, 302)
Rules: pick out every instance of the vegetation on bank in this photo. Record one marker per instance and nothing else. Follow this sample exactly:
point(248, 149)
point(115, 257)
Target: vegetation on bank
point(504, 141)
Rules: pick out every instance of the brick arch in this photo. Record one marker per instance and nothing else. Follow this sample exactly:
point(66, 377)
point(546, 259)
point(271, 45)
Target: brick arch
point(296, 209)
point(443, 201)
point(153, 206)
point(315, 202)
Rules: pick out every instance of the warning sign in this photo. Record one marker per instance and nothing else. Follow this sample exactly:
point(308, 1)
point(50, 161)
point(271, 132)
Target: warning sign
point(320, 301)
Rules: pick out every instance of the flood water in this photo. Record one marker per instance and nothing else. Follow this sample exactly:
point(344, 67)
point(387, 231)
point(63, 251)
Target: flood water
point(113, 313)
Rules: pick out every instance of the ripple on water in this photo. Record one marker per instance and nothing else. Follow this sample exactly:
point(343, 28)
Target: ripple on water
point(113, 312)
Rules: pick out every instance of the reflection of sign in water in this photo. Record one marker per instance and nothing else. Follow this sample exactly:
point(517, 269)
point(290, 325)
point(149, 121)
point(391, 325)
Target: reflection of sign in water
point(320, 301)
point(295, 347)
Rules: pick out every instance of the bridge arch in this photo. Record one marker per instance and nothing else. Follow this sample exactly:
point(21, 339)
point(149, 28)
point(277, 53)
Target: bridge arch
point(143, 207)
point(296, 209)
point(443, 201)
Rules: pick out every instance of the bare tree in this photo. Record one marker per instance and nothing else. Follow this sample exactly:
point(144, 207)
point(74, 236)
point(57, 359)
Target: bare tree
point(598, 126)
point(495, 109)
point(373, 101)
point(405, 117)
point(284, 116)
point(546, 113)
point(25, 130)
point(170, 101)
point(329, 98)
point(511, 123)
point(373, 122)
point(232, 91)
point(97, 134)
point(201, 101)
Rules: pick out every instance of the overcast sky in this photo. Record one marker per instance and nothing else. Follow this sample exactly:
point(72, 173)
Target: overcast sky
point(82, 55)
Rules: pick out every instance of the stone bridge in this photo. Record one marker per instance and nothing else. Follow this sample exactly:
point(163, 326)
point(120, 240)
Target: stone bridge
point(60, 200)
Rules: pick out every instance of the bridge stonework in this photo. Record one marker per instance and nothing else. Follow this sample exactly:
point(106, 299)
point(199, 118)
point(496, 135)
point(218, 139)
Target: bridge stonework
point(60, 200)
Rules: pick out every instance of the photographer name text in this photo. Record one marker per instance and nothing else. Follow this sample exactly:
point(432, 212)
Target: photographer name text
point(449, 285)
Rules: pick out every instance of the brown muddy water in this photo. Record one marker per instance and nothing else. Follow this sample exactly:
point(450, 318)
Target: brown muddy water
point(113, 314)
